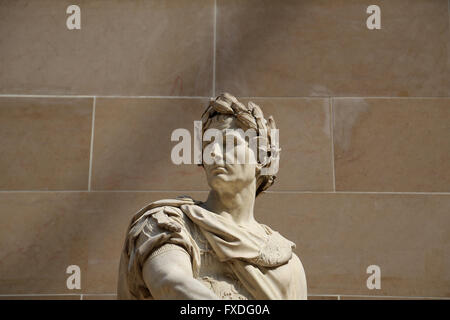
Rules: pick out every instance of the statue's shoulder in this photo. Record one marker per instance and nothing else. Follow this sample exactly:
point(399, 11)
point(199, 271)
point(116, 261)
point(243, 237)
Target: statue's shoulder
point(162, 209)
point(160, 204)
point(159, 217)
point(155, 225)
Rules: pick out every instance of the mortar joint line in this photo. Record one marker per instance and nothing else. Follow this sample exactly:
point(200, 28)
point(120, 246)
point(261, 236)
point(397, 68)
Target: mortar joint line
point(332, 142)
point(433, 193)
point(214, 48)
point(92, 144)
point(67, 96)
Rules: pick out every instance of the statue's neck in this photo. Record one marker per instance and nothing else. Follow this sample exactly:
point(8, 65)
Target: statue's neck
point(236, 206)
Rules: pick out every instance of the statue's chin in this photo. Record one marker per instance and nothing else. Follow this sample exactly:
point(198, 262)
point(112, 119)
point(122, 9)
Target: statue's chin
point(219, 182)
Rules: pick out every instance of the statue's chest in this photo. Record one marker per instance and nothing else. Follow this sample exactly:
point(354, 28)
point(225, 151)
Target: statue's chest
point(216, 275)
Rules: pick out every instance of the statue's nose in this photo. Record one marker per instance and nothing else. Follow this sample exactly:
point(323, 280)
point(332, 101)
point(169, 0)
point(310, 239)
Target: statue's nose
point(216, 152)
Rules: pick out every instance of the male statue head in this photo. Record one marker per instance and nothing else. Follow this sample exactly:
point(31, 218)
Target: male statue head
point(252, 137)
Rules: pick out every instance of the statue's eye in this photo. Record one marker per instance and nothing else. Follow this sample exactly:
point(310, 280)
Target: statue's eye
point(205, 144)
point(235, 139)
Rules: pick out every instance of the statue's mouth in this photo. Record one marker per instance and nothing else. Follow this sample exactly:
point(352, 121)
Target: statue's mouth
point(218, 169)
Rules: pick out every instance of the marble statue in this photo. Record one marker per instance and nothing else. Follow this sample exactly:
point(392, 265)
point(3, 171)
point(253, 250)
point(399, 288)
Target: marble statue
point(187, 249)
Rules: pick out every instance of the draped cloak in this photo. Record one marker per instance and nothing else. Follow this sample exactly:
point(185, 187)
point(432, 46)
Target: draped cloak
point(263, 263)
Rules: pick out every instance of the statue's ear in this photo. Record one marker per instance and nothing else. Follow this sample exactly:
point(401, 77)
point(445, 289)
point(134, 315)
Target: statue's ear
point(258, 168)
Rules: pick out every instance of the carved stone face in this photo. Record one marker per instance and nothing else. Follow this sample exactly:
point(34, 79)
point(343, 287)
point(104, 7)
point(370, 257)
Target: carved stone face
point(223, 174)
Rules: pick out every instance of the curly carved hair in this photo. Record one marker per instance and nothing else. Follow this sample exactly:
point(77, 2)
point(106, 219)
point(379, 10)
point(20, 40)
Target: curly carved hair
point(249, 117)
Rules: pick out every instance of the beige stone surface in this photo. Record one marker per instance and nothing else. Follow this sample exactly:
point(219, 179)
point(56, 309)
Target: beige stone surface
point(45, 232)
point(41, 297)
point(123, 48)
point(339, 235)
point(132, 144)
point(100, 297)
point(392, 144)
point(389, 298)
point(275, 50)
point(42, 233)
point(45, 143)
point(128, 131)
point(322, 298)
point(322, 48)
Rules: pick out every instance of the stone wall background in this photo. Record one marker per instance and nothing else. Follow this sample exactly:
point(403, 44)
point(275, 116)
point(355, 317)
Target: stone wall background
point(364, 118)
